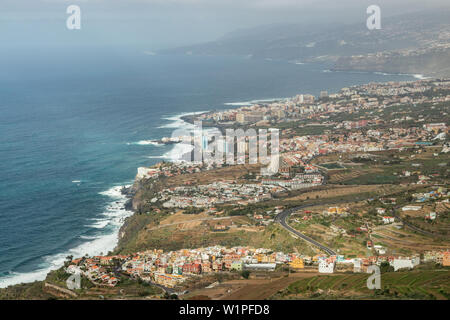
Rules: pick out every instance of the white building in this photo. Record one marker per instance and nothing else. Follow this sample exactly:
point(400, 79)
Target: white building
point(73, 269)
point(260, 266)
point(379, 249)
point(325, 267)
point(411, 208)
point(431, 216)
point(387, 219)
point(145, 173)
point(356, 265)
point(408, 263)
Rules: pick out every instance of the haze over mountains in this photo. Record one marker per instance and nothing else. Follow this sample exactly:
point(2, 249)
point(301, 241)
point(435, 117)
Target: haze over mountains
point(409, 43)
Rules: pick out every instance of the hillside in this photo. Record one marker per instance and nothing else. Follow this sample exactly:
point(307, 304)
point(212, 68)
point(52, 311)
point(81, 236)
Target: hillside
point(410, 43)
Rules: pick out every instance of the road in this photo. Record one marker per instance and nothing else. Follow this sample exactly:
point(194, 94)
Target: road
point(281, 218)
point(168, 290)
point(410, 225)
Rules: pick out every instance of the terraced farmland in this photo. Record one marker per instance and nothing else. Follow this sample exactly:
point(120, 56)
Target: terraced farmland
point(424, 284)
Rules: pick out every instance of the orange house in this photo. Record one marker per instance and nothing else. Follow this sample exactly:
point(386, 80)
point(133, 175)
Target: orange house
point(446, 259)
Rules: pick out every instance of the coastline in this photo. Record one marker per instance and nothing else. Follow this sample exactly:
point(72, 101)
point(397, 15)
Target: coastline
point(109, 242)
point(416, 76)
point(113, 217)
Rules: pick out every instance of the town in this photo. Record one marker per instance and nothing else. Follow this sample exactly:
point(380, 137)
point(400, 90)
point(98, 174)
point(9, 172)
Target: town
point(362, 181)
point(171, 269)
point(356, 128)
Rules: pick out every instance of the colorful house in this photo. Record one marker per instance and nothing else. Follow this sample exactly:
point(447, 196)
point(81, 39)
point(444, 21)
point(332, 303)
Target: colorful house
point(236, 265)
point(297, 263)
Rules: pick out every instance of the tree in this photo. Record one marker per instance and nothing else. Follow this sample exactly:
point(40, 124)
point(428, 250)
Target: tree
point(68, 260)
point(386, 267)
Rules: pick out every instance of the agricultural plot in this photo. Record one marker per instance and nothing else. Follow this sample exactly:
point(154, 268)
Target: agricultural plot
point(394, 285)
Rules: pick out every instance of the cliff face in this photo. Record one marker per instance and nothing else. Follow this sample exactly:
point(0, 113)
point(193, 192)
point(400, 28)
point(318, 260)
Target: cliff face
point(140, 194)
point(430, 62)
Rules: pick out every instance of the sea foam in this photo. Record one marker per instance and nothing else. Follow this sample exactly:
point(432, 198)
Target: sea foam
point(146, 142)
point(112, 217)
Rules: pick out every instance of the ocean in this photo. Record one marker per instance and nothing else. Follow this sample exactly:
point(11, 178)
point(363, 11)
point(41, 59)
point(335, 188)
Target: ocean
point(76, 123)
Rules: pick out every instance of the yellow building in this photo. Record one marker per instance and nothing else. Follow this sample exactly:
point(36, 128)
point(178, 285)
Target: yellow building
point(240, 117)
point(336, 210)
point(168, 280)
point(297, 263)
point(267, 259)
point(332, 210)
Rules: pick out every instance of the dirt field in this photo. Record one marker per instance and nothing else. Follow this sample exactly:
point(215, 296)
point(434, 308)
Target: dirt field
point(206, 177)
point(404, 241)
point(252, 289)
point(182, 221)
point(338, 191)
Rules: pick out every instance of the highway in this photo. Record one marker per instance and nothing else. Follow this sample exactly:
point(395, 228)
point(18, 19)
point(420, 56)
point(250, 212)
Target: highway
point(282, 217)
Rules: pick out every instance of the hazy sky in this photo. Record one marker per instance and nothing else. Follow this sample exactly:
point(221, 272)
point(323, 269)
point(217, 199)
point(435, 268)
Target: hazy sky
point(155, 24)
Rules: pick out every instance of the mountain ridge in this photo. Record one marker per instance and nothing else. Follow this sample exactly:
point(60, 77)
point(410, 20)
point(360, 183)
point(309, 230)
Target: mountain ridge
point(338, 44)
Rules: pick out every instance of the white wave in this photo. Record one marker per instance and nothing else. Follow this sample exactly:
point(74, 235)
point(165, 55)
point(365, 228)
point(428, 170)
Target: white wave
point(177, 152)
point(100, 244)
point(115, 211)
point(115, 192)
point(252, 102)
point(102, 223)
point(177, 122)
point(89, 237)
point(268, 100)
point(383, 73)
point(15, 277)
point(179, 149)
point(417, 76)
point(420, 76)
point(146, 142)
point(247, 103)
point(76, 181)
point(393, 74)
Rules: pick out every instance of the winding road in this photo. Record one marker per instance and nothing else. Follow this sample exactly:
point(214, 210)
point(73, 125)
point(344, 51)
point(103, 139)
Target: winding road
point(281, 219)
point(410, 225)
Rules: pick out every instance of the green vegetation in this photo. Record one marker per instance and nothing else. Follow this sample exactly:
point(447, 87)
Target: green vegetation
point(22, 291)
point(332, 165)
point(394, 285)
point(388, 168)
point(193, 210)
point(272, 237)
